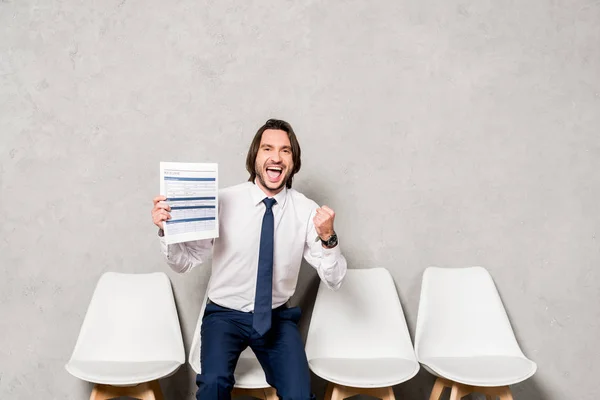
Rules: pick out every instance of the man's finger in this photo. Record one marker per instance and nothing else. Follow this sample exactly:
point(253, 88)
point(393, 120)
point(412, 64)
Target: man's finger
point(158, 198)
point(165, 214)
point(323, 218)
point(319, 218)
point(161, 214)
point(322, 213)
point(326, 210)
point(162, 205)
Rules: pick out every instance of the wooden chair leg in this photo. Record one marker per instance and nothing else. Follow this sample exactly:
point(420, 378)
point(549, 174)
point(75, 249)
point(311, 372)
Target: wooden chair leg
point(389, 395)
point(271, 394)
point(438, 389)
point(106, 392)
point(507, 395)
point(95, 393)
point(458, 391)
point(146, 394)
point(340, 392)
point(267, 393)
point(491, 393)
point(329, 391)
point(257, 393)
point(157, 392)
point(143, 391)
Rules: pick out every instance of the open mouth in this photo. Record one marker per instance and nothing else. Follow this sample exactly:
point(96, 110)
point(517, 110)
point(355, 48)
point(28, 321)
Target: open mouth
point(274, 173)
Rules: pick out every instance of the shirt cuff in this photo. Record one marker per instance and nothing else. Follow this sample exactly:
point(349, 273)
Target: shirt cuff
point(164, 247)
point(334, 252)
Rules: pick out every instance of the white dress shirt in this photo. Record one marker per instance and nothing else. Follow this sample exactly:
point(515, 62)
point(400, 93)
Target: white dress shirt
point(235, 251)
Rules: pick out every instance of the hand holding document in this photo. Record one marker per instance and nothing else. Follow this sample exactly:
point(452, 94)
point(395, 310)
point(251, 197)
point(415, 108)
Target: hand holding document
point(191, 190)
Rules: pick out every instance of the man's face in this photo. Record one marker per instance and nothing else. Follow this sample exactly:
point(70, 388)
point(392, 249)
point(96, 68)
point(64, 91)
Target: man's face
point(274, 162)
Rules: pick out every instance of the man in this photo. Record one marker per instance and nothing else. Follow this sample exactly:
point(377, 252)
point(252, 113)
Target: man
point(266, 227)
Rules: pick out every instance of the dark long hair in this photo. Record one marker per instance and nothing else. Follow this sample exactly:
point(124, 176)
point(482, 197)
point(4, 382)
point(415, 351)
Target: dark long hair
point(254, 146)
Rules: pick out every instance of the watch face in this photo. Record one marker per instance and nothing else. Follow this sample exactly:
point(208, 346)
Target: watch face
point(332, 240)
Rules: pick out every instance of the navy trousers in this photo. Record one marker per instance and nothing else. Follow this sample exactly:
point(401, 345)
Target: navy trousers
point(226, 333)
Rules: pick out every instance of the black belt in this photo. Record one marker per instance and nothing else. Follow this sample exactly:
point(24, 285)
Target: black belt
point(286, 304)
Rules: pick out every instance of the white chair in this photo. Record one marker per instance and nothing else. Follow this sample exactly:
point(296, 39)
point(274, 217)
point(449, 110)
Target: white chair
point(464, 336)
point(249, 376)
point(130, 337)
point(358, 339)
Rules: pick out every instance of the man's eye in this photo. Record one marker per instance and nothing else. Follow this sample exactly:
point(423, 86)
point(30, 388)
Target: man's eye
point(286, 151)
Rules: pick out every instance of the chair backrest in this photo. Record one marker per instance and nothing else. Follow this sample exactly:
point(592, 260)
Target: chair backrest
point(461, 315)
point(131, 317)
point(363, 319)
point(194, 357)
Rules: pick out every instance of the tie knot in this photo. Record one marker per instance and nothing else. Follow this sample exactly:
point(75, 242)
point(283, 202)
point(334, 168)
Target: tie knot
point(269, 202)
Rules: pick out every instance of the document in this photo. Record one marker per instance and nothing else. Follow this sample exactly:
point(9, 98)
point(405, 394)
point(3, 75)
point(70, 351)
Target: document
point(191, 190)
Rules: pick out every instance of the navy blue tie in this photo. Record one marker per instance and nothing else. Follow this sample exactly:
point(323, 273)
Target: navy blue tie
point(263, 301)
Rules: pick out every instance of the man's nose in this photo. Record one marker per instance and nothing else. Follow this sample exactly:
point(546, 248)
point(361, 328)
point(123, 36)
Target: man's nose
point(276, 157)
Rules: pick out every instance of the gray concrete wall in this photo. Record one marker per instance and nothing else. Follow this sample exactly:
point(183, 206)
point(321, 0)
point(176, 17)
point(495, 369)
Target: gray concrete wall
point(450, 133)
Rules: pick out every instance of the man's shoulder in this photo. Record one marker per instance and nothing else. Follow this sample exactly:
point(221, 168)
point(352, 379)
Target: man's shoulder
point(300, 200)
point(235, 189)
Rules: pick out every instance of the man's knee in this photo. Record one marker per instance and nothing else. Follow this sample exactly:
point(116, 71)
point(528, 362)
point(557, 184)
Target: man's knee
point(296, 395)
point(295, 391)
point(215, 381)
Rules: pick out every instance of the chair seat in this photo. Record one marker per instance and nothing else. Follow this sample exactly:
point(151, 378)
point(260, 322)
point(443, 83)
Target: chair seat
point(483, 371)
point(121, 373)
point(248, 371)
point(249, 374)
point(365, 373)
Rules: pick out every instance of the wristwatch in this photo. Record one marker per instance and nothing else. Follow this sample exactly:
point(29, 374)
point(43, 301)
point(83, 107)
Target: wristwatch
point(331, 242)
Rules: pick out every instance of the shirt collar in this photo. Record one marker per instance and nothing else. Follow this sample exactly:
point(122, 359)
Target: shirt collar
point(258, 195)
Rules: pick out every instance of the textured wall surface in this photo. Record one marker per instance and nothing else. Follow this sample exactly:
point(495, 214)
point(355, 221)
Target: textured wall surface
point(450, 133)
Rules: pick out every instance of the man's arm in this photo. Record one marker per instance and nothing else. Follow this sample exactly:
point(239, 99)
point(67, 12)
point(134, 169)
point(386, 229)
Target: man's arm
point(181, 257)
point(329, 262)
